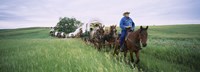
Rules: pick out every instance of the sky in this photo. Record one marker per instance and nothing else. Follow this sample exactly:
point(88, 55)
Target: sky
point(46, 13)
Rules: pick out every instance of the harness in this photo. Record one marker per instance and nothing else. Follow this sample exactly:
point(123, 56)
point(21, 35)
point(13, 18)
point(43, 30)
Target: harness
point(110, 36)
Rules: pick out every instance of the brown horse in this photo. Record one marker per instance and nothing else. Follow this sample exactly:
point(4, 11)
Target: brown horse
point(79, 33)
point(132, 43)
point(110, 36)
point(97, 37)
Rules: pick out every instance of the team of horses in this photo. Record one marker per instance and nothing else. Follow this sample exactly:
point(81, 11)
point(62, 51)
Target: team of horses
point(101, 37)
point(57, 34)
point(61, 34)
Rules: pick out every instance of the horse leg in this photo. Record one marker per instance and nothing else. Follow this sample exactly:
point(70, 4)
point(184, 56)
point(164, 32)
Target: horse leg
point(113, 45)
point(110, 46)
point(131, 56)
point(95, 44)
point(137, 56)
point(115, 50)
point(125, 52)
point(98, 46)
point(103, 45)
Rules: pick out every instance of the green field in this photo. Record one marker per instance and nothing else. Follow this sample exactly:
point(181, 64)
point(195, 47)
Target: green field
point(170, 49)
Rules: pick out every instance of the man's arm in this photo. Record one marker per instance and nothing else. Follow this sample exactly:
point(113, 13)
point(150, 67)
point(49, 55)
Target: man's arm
point(122, 24)
point(133, 25)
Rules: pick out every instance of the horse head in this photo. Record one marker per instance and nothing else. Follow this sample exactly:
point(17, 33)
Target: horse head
point(113, 29)
point(143, 36)
point(101, 31)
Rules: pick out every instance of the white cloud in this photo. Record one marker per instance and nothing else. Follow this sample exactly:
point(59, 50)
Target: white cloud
point(144, 12)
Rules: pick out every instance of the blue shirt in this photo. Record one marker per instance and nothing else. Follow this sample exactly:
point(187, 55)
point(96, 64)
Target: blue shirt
point(127, 21)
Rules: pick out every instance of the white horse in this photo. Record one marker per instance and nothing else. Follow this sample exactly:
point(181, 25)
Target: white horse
point(92, 32)
point(56, 34)
point(62, 34)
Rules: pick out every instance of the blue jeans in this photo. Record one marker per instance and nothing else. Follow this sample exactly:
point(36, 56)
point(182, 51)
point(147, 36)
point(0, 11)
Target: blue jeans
point(122, 37)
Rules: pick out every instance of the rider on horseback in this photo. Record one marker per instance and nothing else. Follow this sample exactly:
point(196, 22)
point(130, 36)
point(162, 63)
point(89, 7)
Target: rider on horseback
point(125, 23)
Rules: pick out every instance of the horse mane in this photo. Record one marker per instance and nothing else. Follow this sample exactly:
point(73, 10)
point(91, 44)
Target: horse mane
point(136, 32)
point(135, 35)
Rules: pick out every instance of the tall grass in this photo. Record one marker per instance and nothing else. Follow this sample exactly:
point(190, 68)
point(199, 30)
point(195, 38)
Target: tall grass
point(56, 55)
point(170, 49)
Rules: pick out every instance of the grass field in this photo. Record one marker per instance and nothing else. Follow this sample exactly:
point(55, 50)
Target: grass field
point(170, 49)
